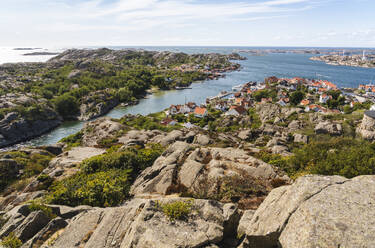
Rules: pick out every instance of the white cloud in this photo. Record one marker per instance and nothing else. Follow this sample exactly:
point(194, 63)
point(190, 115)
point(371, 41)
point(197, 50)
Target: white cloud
point(167, 22)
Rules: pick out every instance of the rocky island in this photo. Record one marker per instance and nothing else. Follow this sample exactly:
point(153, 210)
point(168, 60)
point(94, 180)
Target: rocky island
point(287, 162)
point(85, 84)
point(352, 60)
point(39, 53)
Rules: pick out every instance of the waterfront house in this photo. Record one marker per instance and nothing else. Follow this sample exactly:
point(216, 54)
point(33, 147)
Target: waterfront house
point(315, 86)
point(315, 108)
point(283, 102)
point(168, 121)
point(236, 111)
point(200, 112)
point(188, 125)
point(305, 102)
point(322, 90)
point(191, 105)
point(222, 106)
point(329, 85)
point(182, 109)
point(266, 100)
point(324, 98)
point(174, 109)
point(246, 104)
point(238, 101)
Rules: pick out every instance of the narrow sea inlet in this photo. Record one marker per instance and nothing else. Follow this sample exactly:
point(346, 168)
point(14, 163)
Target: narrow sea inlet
point(255, 68)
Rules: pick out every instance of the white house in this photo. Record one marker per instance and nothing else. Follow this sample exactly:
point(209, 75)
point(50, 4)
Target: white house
point(324, 98)
point(281, 103)
point(189, 125)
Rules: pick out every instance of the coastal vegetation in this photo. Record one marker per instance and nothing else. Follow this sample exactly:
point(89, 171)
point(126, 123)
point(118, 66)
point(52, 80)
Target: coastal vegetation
point(344, 156)
point(104, 180)
point(84, 84)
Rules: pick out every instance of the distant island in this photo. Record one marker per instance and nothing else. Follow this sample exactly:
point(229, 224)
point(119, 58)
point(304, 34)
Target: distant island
point(317, 51)
point(40, 53)
point(25, 48)
point(352, 60)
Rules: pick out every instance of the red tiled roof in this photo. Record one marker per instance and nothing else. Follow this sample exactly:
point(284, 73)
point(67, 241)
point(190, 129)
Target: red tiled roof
point(200, 111)
point(240, 109)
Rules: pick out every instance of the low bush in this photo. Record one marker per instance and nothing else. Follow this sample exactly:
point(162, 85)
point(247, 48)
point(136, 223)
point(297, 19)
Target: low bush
point(134, 159)
point(73, 140)
point(32, 165)
point(11, 241)
point(104, 180)
point(100, 189)
point(178, 210)
point(344, 156)
point(34, 206)
point(45, 181)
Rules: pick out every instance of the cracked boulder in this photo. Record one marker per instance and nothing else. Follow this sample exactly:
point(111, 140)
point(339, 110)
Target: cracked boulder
point(316, 211)
point(143, 223)
point(367, 127)
point(227, 174)
point(327, 127)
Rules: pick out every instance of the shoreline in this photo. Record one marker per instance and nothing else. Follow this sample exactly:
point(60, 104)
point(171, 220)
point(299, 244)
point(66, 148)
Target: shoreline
point(18, 144)
point(350, 61)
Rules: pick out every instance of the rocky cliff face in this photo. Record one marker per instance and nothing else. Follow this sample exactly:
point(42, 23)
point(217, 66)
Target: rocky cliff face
point(14, 128)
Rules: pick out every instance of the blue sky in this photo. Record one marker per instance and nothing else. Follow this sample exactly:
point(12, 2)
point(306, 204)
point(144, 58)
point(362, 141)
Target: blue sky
point(349, 23)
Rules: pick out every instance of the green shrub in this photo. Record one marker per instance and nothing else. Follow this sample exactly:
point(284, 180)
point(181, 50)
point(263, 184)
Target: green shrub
point(255, 119)
point(342, 156)
point(11, 241)
point(40, 207)
point(66, 105)
point(104, 180)
point(32, 165)
point(45, 180)
point(3, 220)
point(178, 210)
point(296, 97)
point(73, 140)
point(273, 159)
point(107, 142)
point(100, 189)
point(134, 159)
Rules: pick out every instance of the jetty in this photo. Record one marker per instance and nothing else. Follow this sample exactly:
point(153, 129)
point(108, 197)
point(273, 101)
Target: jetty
point(220, 96)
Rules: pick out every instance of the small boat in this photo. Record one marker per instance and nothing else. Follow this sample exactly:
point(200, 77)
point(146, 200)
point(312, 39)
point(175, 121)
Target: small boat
point(182, 88)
